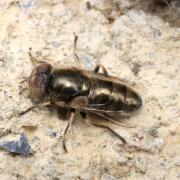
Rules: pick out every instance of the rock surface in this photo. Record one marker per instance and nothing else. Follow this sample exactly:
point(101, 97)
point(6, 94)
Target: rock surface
point(132, 42)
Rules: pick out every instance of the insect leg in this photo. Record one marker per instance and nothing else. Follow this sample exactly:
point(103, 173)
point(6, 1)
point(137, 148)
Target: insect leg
point(86, 120)
point(83, 114)
point(111, 130)
point(18, 114)
point(104, 126)
point(98, 66)
point(70, 121)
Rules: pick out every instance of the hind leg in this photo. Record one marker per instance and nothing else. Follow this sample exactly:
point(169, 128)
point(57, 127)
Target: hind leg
point(103, 126)
point(111, 130)
point(98, 66)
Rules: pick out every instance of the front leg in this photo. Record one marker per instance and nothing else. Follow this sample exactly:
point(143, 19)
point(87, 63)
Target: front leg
point(18, 114)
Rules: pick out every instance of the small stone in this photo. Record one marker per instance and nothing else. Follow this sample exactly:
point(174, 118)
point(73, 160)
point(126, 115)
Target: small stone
point(18, 147)
point(107, 177)
point(177, 163)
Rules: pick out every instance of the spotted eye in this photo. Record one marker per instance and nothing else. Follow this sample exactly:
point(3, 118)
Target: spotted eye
point(38, 82)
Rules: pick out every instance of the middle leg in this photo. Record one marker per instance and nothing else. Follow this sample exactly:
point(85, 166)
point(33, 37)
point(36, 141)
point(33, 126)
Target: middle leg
point(18, 114)
point(70, 121)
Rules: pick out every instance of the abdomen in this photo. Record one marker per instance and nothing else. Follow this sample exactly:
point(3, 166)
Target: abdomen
point(113, 96)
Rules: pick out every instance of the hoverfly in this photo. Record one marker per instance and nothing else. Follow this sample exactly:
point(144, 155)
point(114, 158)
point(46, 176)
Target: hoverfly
point(81, 90)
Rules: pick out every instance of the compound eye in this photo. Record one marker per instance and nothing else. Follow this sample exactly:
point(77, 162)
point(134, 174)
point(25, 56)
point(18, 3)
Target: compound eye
point(38, 83)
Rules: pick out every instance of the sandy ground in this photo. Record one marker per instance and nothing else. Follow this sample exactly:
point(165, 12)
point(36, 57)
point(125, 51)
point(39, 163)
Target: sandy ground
point(132, 42)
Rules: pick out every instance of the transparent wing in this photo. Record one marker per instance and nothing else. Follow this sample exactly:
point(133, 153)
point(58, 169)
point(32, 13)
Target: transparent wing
point(81, 103)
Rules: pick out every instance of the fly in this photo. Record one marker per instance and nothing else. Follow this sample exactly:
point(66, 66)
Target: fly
point(76, 89)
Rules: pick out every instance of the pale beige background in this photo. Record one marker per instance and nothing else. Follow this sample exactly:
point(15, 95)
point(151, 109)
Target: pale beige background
point(120, 34)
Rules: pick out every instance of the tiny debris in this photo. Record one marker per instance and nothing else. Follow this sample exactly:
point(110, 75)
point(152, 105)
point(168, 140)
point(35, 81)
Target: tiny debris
point(136, 68)
point(177, 163)
point(152, 132)
point(4, 132)
point(18, 147)
point(162, 3)
point(88, 5)
point(27, 4)
point(53, 133)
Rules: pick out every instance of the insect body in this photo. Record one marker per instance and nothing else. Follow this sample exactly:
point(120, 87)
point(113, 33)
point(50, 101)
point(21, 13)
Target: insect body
point(101, 94)
point(85, 91)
